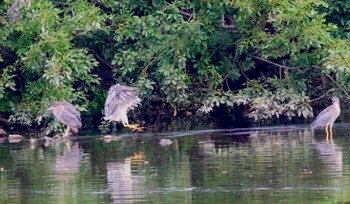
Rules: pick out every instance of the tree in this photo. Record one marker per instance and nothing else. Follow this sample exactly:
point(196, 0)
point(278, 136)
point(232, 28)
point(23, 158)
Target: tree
point(270, 56)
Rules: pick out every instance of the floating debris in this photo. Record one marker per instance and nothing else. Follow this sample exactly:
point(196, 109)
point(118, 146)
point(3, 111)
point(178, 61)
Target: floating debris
point(165, 142)
point(110, 138)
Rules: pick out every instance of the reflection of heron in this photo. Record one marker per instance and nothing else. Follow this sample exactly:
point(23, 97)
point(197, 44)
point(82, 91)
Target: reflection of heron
point(67, 114)
point(67, 165)
point(331, 156)
point(119, 101)
point(125, 183)
point(328, 116)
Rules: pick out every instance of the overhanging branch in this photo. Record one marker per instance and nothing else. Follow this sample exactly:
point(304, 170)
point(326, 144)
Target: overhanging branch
point(298, 67)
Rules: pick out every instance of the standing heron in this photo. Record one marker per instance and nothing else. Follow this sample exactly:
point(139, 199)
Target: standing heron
point(119, 101)
point(66, 113)
point(328, 116)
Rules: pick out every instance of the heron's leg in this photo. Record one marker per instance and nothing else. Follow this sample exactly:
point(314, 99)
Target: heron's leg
point(66, 133)
point(331, 135)
point(327, 133)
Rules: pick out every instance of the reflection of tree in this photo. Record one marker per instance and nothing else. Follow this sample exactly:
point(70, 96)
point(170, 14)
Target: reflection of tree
point(270, 160)
point(207, 167)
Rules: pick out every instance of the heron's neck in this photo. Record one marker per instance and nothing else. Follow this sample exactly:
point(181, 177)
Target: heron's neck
point(336, 104)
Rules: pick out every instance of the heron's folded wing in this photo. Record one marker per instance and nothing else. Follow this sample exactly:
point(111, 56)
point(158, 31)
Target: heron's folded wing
point(323, 118)
point(69, 119)
point(69, 107)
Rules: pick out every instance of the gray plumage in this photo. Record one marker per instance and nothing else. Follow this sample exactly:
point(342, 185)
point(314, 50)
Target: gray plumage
point(66, 113)
point(119, 101)
point(328, 115)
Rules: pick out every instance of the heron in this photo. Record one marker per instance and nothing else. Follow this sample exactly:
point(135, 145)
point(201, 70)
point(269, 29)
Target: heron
point(67, 114)
point(328, 116)
point(119, 101)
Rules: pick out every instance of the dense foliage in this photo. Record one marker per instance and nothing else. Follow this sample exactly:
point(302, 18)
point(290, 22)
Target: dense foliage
point(270, 57)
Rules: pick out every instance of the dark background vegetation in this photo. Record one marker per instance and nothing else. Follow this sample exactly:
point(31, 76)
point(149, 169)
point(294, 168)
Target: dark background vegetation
point(229, 60)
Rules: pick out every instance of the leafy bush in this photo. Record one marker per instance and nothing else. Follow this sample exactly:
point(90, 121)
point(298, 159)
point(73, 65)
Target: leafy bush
point(271, 56)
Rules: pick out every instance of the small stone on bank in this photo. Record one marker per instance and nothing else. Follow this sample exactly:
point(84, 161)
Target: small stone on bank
point(15, 138)
point(3, 133)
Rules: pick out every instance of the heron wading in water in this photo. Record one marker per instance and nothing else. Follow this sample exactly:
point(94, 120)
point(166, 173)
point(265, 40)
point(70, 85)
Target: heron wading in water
point(119, 101)
point(67, 114)
point(328, 116)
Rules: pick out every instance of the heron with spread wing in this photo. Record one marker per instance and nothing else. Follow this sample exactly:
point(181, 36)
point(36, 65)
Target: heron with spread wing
point(66, 113)
point(328, 116)
point(119, 101)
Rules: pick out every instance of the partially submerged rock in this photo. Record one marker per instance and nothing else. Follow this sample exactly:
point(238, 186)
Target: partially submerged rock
point(15, 138)
point(3, 133)
point(32, 143)
point(165, 142)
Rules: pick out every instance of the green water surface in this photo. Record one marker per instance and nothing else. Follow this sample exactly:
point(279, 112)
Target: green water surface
point(284, 164)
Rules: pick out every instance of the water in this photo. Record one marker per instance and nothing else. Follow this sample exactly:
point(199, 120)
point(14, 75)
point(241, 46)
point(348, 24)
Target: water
point(284, 164)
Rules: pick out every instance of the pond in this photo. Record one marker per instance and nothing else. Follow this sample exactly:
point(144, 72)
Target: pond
point(279, 164)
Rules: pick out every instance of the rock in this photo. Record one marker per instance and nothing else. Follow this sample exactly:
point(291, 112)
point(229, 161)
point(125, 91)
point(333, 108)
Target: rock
point(47, 141)
point(32, 143)
point(15, 138)
point(3, 133)
point(165, 142)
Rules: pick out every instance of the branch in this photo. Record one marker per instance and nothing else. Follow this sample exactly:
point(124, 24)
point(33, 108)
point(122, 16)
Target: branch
point(104, 62)
point(240, 67)
point(338, 85)
point(346, 93)
point(316, 99)
point(298, 67)
point(278, 65)
point(186, 14)
point(103, 7)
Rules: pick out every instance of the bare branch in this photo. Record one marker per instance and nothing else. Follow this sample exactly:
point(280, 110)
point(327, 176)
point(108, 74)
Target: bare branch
point(323, 95)
point(303, 66)
point(346, 93)
point(104, 62)
point(278, 65)
point(240, 67)
point(186, 14)
point(103, 7)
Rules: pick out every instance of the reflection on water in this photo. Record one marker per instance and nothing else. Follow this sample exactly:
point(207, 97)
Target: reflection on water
point(124, 185)
point(68, 164)
point(331, 157)
point(285, 164)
